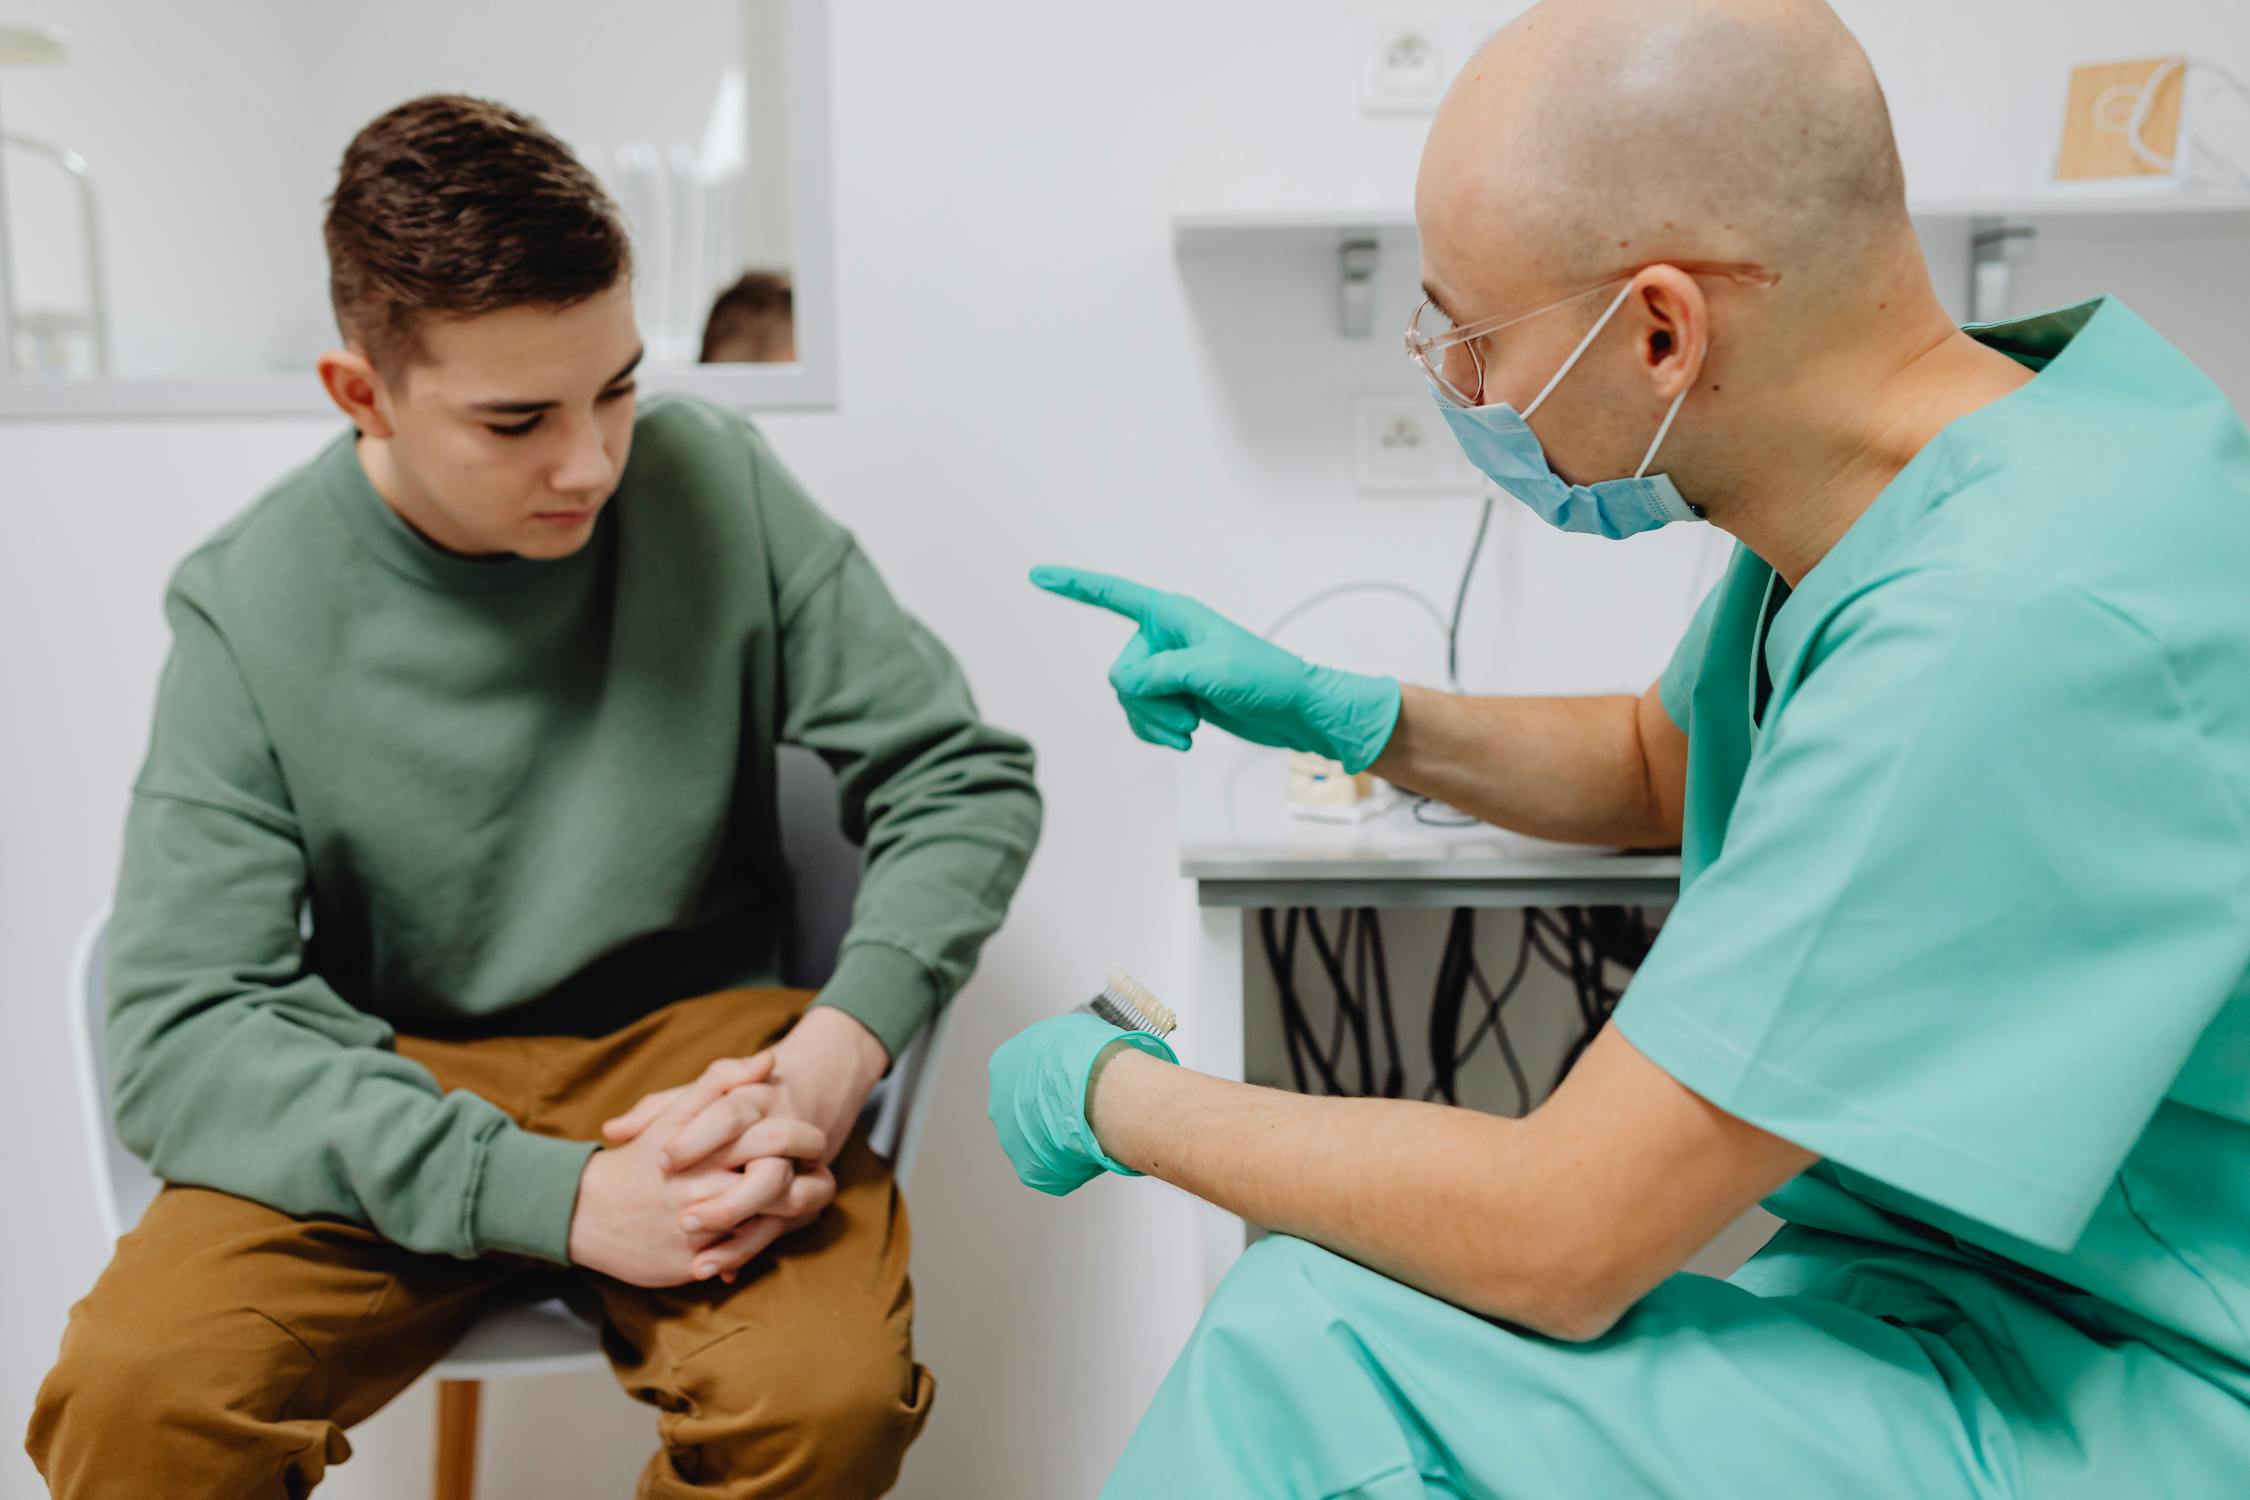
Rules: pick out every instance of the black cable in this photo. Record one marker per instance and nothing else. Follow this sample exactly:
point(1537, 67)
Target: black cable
point(1447, 997)
point(1461, 597)
point(1582, 976)
point(1337, 1028)
point(1346, 1002)
point(1535, 923)
point(1358, 955)
point(1492, 1024)
point(1497, 1024)
point(1580, 944)
point(1422, 805)
point(1279, 966)
point(1589, 941)
point(1508, 1056)
point(1357, 949)
point(1281, 957)
point(1421, 814)
point(1623, 933)
point(1340, 1032)
point(1447, 1052)
point(1371, 941)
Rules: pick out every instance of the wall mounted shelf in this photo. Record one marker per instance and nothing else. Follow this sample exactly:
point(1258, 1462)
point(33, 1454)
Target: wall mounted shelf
point(1999, 231)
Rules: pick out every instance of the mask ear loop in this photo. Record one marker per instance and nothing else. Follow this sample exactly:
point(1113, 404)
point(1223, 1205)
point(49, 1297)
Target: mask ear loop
point(1599, 324)
point(1663, 429)
point(1650, 456)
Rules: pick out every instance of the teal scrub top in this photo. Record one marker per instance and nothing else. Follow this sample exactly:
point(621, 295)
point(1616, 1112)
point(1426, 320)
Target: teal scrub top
point(1965, 898)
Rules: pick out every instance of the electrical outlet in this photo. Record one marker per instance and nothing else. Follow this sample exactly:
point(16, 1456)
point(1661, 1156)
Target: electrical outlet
point(1400, 445)
point(1406, 59)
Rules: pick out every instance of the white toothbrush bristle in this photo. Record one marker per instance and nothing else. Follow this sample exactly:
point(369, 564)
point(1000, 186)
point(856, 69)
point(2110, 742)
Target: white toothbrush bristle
point(1133, 997)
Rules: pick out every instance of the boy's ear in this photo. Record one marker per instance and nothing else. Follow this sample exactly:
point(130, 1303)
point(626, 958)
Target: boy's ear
point(349, 377)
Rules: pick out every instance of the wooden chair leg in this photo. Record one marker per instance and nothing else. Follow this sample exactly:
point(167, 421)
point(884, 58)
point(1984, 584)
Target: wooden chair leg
point(457, 1439)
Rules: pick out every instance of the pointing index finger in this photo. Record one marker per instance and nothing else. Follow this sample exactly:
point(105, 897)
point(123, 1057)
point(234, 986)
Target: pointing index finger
point(1102, 590)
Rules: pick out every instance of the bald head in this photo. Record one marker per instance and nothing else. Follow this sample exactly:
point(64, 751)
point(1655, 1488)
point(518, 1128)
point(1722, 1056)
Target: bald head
point(1601, 142)
point(1594, 136)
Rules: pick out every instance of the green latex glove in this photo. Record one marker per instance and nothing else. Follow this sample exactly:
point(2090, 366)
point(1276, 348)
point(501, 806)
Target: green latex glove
point(1188, 664)
point(1038, 1099)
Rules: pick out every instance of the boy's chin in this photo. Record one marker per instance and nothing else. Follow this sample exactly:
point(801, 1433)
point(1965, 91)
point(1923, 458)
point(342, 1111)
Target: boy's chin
point(551, 539)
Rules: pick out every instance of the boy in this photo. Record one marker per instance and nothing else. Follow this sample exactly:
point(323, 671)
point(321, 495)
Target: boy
point(491, 692)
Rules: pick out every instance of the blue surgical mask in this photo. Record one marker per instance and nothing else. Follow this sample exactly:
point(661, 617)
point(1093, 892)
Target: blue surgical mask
point(1500, 442)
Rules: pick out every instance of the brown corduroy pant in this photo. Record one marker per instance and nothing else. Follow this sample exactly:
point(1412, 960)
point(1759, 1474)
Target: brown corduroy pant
point(228, 1346)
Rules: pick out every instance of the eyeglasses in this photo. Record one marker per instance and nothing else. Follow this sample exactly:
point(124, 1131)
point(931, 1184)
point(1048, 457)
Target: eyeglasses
point(1450, 357)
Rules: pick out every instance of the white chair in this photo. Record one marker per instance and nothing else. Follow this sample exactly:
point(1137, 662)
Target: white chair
point(548, 1338)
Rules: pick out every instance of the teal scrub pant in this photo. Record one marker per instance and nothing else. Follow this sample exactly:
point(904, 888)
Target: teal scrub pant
point(1312, 1376)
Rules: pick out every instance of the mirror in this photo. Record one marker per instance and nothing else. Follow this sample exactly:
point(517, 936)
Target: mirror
point(164, 169)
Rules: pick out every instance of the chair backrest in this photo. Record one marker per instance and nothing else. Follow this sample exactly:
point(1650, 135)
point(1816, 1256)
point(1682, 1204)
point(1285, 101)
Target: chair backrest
point(123, 1184)
point(826, 868)
point(824, 862)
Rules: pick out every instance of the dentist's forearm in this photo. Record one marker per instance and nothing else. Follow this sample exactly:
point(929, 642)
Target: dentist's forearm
point(1594, 770)
point(1405, 1188)
point(1559, 1221)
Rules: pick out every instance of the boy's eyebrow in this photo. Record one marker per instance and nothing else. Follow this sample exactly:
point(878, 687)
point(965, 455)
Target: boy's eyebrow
point(526, 408)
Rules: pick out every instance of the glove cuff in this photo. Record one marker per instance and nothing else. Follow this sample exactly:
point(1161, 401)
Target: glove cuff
point(1146, 1041)
point(1359, 714)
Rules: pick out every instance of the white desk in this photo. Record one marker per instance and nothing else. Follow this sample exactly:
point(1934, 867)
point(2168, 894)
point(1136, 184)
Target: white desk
point(1245, 851)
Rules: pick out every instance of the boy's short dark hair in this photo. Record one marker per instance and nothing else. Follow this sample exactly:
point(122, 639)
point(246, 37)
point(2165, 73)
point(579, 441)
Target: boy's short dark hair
point(450, 206)
point(753, 320)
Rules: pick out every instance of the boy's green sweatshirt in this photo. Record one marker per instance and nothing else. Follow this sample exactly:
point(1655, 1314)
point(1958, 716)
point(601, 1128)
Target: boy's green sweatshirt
point(517, 796)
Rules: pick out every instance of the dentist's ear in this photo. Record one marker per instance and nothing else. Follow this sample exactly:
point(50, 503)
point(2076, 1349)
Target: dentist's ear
point(349, 377)
point(1672, 328)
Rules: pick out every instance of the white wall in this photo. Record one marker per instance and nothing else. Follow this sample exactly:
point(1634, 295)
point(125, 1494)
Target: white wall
point(1027, 375)
point(182, 298)
point(196, 116)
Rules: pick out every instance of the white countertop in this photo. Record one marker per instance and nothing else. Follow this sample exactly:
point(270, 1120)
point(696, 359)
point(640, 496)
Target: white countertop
point(1235, 826)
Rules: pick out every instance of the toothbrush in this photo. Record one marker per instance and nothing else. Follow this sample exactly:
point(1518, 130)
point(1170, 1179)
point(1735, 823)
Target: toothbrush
point(1127, 1004)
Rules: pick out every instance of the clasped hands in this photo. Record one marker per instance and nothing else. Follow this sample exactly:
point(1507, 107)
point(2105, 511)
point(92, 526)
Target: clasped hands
point(698, 1180)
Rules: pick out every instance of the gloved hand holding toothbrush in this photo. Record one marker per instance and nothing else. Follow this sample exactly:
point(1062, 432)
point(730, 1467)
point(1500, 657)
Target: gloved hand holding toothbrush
point(1040, 1078)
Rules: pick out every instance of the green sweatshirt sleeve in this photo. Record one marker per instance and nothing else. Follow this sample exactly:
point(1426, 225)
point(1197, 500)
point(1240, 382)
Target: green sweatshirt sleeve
point(235, 1068)
point(942, 803)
